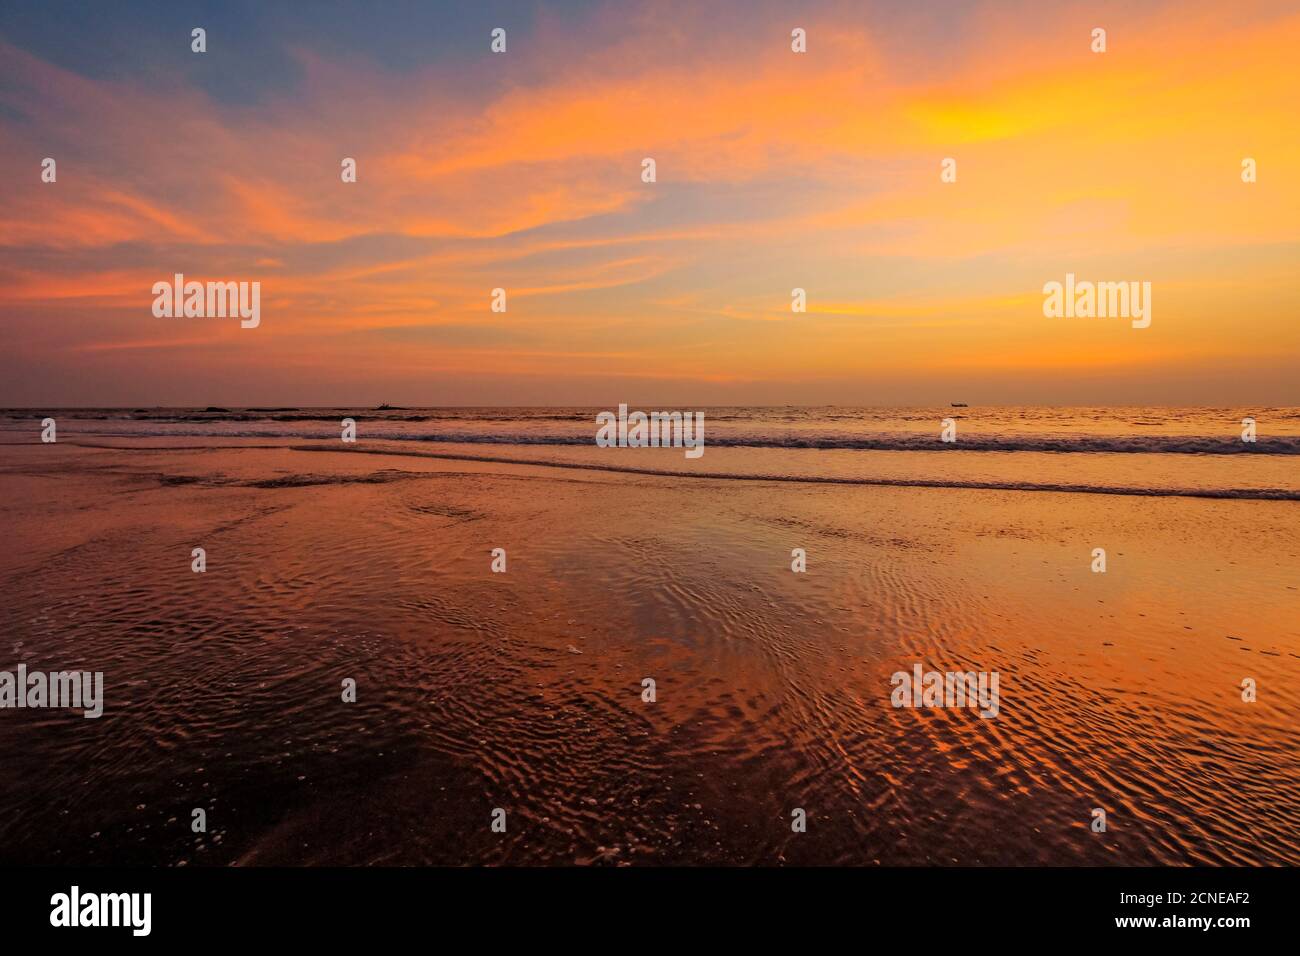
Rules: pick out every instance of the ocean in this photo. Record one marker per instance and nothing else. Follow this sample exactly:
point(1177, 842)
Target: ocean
point(1179, 451)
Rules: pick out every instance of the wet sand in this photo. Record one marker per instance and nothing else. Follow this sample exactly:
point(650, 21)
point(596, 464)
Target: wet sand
point(523, 690)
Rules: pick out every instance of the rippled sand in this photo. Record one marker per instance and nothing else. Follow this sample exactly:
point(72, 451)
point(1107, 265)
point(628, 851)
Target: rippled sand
point(523, 690)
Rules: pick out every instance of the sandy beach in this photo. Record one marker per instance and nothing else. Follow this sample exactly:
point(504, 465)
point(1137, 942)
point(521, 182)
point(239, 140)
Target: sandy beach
point(524, 690)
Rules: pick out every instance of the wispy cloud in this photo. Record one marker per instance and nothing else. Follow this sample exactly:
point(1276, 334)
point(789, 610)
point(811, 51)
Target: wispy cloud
point(775, 171)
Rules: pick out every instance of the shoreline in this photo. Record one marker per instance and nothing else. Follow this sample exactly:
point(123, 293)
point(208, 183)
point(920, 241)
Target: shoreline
point(327, 447)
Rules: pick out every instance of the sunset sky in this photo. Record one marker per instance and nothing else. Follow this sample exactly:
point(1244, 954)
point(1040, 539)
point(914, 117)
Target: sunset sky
point(775, 170)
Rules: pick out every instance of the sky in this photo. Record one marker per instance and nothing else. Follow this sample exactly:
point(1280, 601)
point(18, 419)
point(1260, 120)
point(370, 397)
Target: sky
point(774, 170)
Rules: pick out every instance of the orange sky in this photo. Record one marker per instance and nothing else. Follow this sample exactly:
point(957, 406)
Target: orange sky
point(775, 170)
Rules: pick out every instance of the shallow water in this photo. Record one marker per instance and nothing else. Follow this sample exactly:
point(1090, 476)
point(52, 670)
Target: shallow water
point(523, 690)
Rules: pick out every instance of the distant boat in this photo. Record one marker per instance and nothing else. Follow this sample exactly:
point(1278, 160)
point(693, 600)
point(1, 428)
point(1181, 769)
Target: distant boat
point(384, 408)
point(958, 405)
